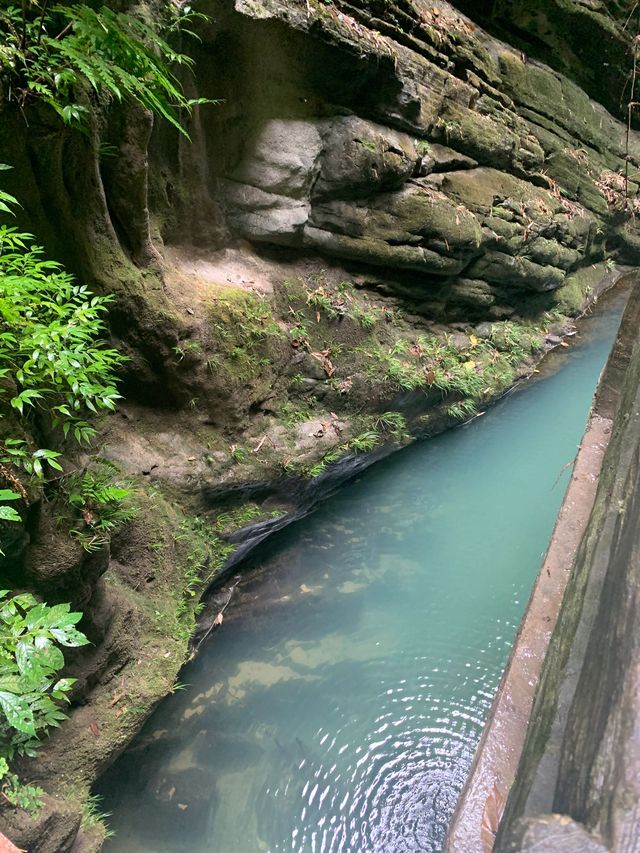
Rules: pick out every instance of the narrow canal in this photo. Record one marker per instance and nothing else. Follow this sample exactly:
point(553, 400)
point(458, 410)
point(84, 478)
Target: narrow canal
point(339, 706)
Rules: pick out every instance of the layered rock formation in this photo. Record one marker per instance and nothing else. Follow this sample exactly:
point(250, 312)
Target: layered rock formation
point(385, 191)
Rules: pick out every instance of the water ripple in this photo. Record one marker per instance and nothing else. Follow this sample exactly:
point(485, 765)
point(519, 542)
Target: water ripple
point(338, 708)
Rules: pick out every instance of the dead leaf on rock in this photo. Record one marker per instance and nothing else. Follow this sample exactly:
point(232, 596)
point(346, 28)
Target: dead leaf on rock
point(323, 358)
point(218, 619)
point(95, 731)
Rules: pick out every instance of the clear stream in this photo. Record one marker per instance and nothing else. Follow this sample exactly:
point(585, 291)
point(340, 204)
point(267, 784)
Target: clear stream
point(339, 706)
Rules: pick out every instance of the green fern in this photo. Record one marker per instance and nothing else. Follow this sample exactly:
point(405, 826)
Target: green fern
point(55, 53)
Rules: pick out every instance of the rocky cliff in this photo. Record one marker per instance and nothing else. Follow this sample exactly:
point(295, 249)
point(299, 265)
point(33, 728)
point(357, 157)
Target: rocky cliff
point(576, 786)
point(385, 222)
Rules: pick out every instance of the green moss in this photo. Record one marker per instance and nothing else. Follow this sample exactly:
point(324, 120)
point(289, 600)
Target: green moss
point(242, 328)
point(572, 298)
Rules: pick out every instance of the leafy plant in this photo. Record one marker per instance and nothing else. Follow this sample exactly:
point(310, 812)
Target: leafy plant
point(49, 341)
point(31, 695)
point(236, 518)
point(238, 454)
point(365, 441)
point(292, 413)
point(27, 797)
point(463, 409)
point(8, 513)
point(366, 317)
point(206, 555)
point(101, 505)
point(55, 53)
point(187, 347)
point(393, 424)
point(93, 815)
point(51, 355)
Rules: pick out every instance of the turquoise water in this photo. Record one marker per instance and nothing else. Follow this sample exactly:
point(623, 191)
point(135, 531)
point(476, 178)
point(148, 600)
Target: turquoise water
point(339, 705)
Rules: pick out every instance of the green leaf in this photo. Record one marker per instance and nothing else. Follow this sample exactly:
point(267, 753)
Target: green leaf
point(69, 637)
point(9, 495)
point(8, 513)
point(17, 712)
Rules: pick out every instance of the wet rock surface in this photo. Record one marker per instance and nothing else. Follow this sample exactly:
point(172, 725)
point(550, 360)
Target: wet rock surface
point(582, 753)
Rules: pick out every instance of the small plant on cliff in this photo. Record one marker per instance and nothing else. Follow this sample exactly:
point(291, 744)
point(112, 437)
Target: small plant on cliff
point(58, 54)
point(392, 424)
point(462, 410)
point(93, 816)
point(100, 504)
point(54, 369)
point(31, 694)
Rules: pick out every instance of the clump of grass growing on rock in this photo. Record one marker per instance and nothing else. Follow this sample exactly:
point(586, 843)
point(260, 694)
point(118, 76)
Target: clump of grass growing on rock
point(475, 371)
point(374, 431)
point(206, 555)
point(234, 519)
point(462, 410)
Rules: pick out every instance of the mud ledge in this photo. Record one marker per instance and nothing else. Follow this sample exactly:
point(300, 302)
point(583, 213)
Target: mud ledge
point(500, 751)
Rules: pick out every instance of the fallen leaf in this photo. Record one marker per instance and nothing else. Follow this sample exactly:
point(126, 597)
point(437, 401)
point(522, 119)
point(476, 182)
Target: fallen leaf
point(182, 806)
point(117, 698)
point(95, 731)
point(304, 588)
point(430, 377)
point(218, 619)
point(474, 340)
point(469, 365)
point(564, 344)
